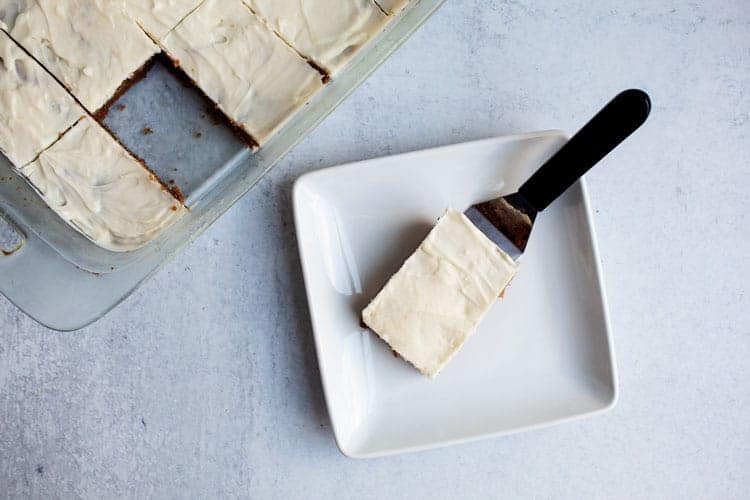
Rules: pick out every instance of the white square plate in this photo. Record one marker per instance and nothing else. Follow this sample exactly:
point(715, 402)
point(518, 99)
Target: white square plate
point(543, 354)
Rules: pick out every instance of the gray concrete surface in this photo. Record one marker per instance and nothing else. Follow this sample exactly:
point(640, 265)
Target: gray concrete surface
point(205, 384)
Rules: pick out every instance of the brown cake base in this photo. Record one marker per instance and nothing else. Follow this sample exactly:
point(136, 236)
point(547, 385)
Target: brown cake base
point(101, 113)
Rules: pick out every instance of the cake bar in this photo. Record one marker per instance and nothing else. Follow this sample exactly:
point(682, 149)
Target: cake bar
point(34, 109)
point(249, 72)
point(96, 186)
point(431, 306)
point(327, 32)
point(158, 17)
point(88, 45)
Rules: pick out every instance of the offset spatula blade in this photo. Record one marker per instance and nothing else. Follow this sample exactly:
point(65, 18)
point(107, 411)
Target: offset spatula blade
point(508, 220)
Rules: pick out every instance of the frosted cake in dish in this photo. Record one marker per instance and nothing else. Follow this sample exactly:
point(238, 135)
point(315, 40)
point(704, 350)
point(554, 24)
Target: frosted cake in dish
point(63, 62)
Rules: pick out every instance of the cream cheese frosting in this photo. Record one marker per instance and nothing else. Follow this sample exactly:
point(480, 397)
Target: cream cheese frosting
point(392, 7)
point(34, 109)
point(431, 306)
point(158, 17)
point(91, 46)
point(96, 186)
point(252, 75)
point(328, 32)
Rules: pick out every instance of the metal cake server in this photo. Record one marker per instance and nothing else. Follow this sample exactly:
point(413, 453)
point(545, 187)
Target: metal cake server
point(508, 220)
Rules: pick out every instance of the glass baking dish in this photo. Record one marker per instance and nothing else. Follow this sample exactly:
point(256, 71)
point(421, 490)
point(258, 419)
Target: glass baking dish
point(62, 280)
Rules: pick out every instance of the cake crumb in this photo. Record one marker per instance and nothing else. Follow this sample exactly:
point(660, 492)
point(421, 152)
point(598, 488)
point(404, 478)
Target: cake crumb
point(177, 193)
point(198, 135)
point(147, 131)
point(120, 107)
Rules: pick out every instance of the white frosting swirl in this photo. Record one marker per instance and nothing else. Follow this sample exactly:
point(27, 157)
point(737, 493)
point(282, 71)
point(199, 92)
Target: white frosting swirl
point(95, 185)
point(328, 32)
point(34, 108)
point(158, 17)
point(89, 45)
point(253, 76)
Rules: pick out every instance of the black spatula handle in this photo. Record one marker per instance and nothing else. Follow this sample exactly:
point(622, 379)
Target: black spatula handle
point(617, 120)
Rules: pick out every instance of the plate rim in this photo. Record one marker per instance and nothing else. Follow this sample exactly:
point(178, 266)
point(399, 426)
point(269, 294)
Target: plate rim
point(299, 185)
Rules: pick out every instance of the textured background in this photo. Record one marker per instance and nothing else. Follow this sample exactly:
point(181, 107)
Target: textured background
point(205, 381)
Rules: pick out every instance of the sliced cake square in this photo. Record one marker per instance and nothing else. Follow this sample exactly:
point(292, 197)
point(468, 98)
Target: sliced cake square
point(34, 109)
point(97, 187)
point(328, 32)
point(158, 17)
point(431, 306)
point(248, 71)
point(90, 46)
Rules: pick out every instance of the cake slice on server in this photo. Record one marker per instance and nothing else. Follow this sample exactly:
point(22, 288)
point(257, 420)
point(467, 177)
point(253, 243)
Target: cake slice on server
point(240, 64)
point(90, 46)
point(101, 190)
point(34, 109)
point(158, 17)
point(435, 302)
point(327, 32)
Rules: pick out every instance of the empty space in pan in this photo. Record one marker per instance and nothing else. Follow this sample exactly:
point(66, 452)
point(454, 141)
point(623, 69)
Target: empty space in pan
point(176, 130)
